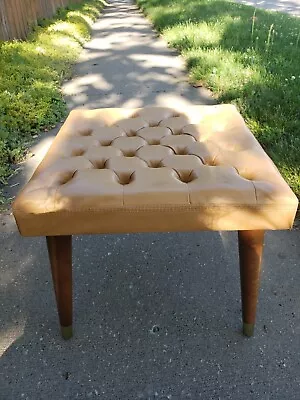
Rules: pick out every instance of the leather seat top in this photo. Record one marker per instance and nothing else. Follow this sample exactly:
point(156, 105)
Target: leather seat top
point(141, 168)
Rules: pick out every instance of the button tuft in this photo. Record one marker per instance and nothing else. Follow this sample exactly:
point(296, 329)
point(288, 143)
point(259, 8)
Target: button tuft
point(105, 143)
point(181, 151)
point(155, 164)
point(99, 164)
point(129, 153)
point(125, 178)
point(86, 132)
point(131, 134)
point(77, 153)
point(66, 177)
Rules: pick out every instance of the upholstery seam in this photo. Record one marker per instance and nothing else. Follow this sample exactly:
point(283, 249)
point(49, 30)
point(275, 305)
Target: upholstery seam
point(255, 191)
point(189, 194)
point(200, 158)
point(165, 145)
point(167, 208)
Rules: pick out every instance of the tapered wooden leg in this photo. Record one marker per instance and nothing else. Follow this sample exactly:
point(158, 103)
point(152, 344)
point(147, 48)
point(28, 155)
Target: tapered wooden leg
point(60, 256)
point(250, 250)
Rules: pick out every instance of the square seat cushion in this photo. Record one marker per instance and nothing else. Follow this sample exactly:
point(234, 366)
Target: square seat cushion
point(154, 169)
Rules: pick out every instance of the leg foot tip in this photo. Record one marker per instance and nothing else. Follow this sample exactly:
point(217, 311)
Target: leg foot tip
point(67, 332)
point(248, 329)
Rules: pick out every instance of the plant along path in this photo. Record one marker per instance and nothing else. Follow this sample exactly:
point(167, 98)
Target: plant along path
point(248, 57)
point(31, 75)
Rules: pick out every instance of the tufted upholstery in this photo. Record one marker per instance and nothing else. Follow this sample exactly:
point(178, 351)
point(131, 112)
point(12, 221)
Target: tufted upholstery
point(154, 169)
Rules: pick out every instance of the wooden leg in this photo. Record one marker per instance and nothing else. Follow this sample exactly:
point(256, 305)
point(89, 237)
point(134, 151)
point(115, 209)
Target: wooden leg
point(250, 250)
point(60, 255)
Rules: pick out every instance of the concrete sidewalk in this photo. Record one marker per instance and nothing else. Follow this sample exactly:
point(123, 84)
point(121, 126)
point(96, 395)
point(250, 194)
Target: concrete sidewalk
point(291, 7)
point(157, 316)
point(126, 64)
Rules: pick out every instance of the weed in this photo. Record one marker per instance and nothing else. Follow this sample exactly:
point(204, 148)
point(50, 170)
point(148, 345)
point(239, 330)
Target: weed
point(269, 37)
point(252, 26)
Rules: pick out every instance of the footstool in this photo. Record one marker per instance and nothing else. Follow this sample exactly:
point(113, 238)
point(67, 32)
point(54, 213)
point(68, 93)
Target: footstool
point(155, 170)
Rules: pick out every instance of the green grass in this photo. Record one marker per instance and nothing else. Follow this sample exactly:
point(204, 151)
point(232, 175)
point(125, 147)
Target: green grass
point(247, 57)
point(31, 75)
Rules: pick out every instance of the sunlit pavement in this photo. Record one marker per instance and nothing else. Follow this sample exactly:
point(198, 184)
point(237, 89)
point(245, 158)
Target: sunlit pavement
point(157, 316)
point(291, 7)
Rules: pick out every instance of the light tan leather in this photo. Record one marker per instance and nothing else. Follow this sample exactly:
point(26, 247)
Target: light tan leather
point(154, 169)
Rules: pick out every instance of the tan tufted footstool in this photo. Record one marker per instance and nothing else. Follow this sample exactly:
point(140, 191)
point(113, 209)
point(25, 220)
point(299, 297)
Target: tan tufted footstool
point(155, 170)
